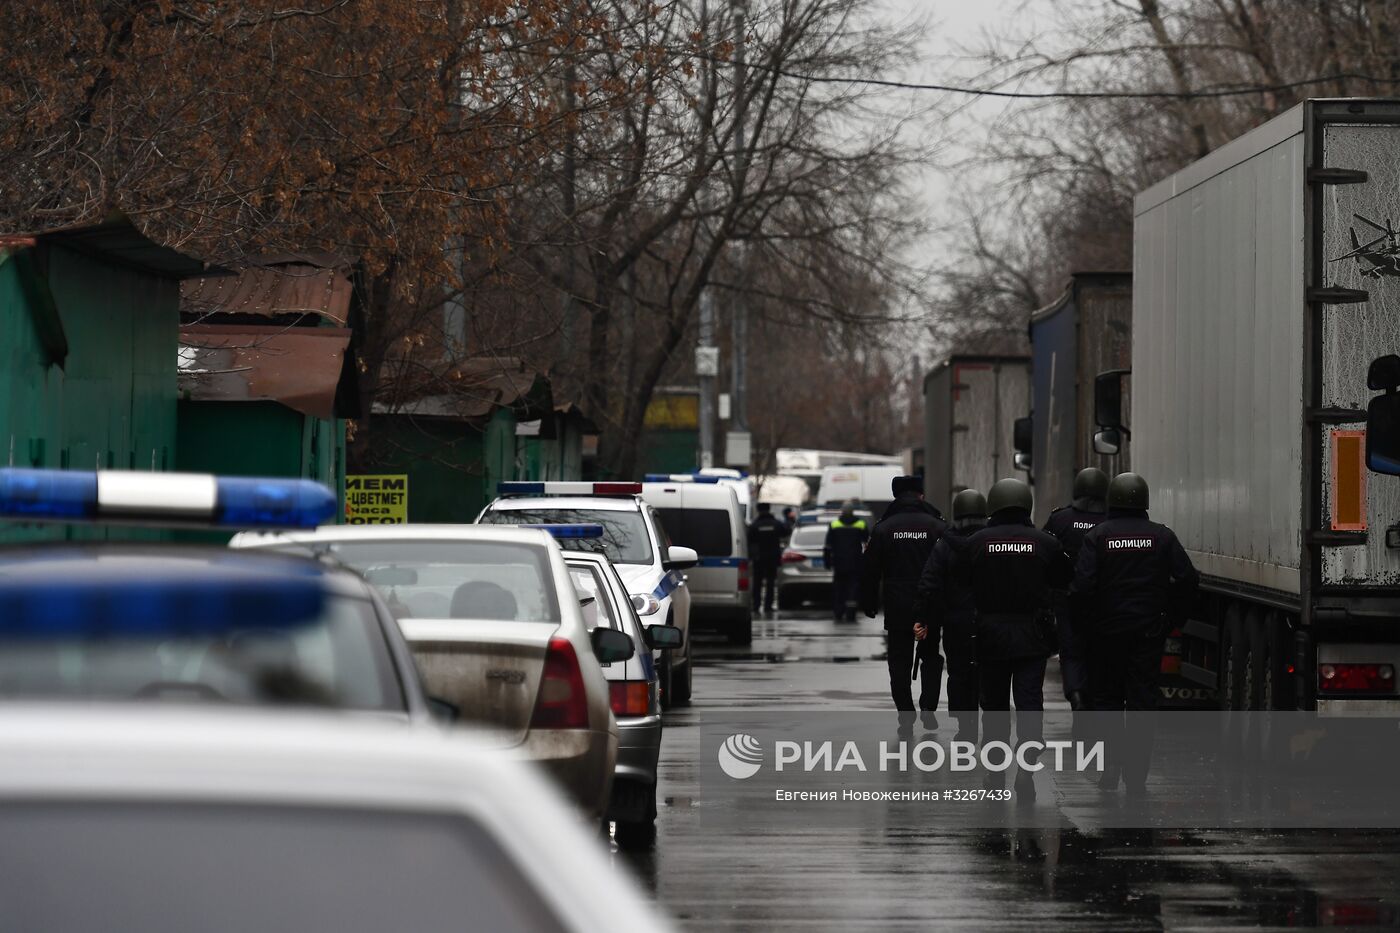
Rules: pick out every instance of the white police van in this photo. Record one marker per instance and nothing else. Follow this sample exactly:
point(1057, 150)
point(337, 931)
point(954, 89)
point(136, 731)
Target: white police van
point(704, 513)
point(633, 539)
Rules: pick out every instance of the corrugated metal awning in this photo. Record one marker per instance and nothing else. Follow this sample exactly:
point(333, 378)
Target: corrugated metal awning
point(286, 285)
point(299, 367)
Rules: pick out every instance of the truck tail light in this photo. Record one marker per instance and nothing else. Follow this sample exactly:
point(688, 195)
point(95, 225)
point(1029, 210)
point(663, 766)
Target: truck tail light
point(792, 557)
point(743, 576)
point(630, 697)
point(563, 702)
point(1358, 678)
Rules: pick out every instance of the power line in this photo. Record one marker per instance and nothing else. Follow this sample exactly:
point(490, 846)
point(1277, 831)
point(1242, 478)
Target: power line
point(1226, 91)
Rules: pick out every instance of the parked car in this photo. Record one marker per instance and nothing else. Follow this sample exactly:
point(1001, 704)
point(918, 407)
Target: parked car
point(222, 820)
point(496, 629)
point(633, 539)
point(175, 623)
point(706, 516)
point(803, 575)
point(633, 689)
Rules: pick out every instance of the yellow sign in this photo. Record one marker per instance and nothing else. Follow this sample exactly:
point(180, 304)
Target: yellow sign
point(376, 500)
point(673, 412)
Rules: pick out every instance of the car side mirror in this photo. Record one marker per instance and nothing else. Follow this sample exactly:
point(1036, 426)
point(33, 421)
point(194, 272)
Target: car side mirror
point(1108, 405)
point(680, 558)
point(662, 637)
point(1021, 461)
point(610, 645)
point(1383, 417)
point(1107, 441)
point(444, 710)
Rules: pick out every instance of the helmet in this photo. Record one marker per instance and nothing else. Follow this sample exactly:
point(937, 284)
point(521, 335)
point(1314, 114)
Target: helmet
point(969, 504)
point(1127, 491)
point(1091, 483)
point(1009, 494)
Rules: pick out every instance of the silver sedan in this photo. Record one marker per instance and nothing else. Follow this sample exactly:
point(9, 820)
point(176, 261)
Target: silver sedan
point(497, 630)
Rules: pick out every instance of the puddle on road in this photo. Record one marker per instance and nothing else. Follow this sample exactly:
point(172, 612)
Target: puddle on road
point(1175, 879)
point(750, 658)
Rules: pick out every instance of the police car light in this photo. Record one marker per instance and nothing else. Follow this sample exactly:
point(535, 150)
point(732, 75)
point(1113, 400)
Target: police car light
point(159, 606)
point(568, 489)
point(570, 531)
point(247, 502)
point(133, 497)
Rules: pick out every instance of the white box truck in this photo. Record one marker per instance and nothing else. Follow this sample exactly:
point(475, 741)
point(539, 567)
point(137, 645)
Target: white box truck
point(1266, 316)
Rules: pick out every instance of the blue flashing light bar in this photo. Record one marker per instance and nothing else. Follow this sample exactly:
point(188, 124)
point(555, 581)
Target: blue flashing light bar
point(272, 503)
point(47, 495)
point(570, 531)
point(163, 606)
point(168, 499)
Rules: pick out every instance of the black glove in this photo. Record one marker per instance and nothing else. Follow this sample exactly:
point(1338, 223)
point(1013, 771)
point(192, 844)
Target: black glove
point(1077, 700)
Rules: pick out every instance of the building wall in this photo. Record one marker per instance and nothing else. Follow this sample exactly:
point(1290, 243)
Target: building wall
point(452, 466)
point(112, 404)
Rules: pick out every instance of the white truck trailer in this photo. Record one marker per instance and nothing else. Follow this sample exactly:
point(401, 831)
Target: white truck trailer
point(1266, 312)
point(970, 403)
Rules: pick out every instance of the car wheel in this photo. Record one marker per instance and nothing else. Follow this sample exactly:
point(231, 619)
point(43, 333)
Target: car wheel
point(680, 685)
point(641, 834)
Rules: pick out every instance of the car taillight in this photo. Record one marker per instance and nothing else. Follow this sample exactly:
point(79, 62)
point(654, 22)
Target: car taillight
point(792, 557)
point(562, 703)
point(1372, 678)
point(630, 697)
point(743, 575)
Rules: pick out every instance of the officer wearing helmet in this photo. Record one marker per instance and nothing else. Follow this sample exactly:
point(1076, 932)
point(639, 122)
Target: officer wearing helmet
point(1069, 525)
point(895, 557)
point(1011, 568)
point(1132, 581)
point(946, 608)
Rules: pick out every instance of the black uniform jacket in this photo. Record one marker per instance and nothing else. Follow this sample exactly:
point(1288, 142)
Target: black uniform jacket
point(1132, 576)
point(899, 548)
point(1070, 524)
point(766, 534)
point(1011, 568)
point(844, 546)
point(943, 597)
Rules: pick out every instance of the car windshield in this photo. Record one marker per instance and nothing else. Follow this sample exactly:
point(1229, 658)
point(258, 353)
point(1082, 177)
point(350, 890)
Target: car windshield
point(706, 530)
point(624, 540)
point(492, 580)
point(233, 868)
point(809, 536)
point(339, 659)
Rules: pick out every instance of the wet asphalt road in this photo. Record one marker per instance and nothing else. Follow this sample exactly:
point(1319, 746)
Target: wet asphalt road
point(921, 878)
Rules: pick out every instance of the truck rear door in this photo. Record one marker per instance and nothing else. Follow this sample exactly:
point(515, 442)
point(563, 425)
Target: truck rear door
point(1358, 259)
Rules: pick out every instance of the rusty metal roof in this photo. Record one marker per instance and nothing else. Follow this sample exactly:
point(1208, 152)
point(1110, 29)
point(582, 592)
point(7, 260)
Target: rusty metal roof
point(289, 284)
point(299, 367)
point(474, 388)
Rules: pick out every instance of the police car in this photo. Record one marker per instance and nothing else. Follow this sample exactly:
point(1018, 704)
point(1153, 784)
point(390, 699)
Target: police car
point(106, 620)
point(633, 539)
point(224, 820)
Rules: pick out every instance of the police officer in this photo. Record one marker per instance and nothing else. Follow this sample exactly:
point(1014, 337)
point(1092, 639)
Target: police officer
point(1069, 525)
point(1133, 580)
point(843, 551)
point(946, 607)
point(766, 534)
point(899, 548)
point(1011, 568)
